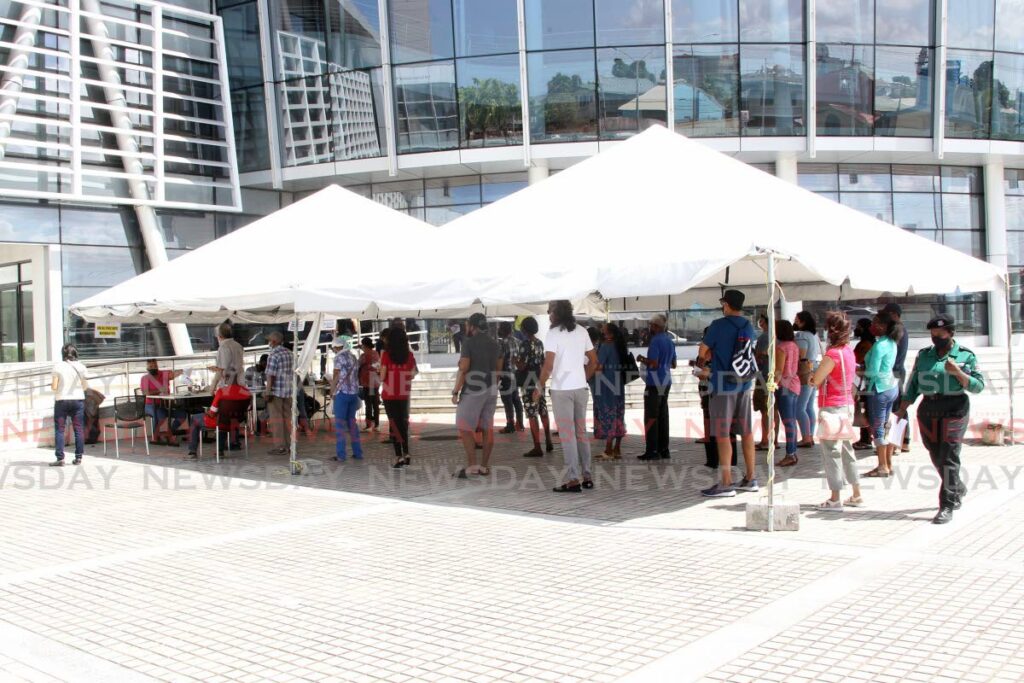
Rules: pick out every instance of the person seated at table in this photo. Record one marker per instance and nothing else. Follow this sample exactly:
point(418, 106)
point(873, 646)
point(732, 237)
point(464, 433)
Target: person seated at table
point(230, 392)
point(157, 382)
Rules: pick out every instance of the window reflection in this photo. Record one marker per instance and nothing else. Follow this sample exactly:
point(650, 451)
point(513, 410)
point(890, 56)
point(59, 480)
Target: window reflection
point(968, 93)
point(249, 110)
point(498, 186)
point(875, 204)
point(907, 22)
point(1008, 110)
point(631, 89)
point(636, 22)
point(1010, 25)
point(771, 21)
point(845, 88)
point(706, 90)
point(970, 24)
point(354, 28)
point(917, 211)
point(421, 30)
point(772, 89)
point(426, 114)
point(485, 27)
point(820, 178)
point(29, 223)
point(705, 21)
point(117, 227)
point(242, 45)
point(490, 109)
point(562, 94)
point(448, 191)
point(845, 21)
point(556, 25)
point(903, 91)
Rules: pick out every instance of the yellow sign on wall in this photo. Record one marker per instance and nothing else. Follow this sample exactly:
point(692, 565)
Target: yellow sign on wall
point(107, 331)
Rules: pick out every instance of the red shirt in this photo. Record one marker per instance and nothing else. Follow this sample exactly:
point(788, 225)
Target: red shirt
point(161, 384)
point(369, 376)
point(398, 380)
point(232, 392)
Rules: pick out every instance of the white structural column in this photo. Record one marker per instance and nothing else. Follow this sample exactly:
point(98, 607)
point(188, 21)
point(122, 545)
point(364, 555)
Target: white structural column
point(786, 169)
point(997, 247)
point(17, 61)
point(811, 59)
point(538, 171)
point(113, 93)
point(524, 92)
point(388, 83)
point(938, 75)
point(269, 94)
point(670, 76)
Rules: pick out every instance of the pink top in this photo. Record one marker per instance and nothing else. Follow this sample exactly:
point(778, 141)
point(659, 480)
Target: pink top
point(832, 393)
point(790, 379)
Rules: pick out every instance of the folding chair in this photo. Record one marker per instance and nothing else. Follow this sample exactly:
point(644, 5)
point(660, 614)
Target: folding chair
point(130, 414)
point(231, 414)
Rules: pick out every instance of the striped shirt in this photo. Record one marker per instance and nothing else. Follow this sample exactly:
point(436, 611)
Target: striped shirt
point(279, 365)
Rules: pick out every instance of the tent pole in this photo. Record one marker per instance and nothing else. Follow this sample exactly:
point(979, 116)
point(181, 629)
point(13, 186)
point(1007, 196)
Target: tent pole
point(295, 396)
point(771, 394)
point(1009, 357)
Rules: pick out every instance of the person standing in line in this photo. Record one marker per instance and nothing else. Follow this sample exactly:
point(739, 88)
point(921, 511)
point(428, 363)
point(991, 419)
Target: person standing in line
point(944, 374)
point(345, 390)
point(476, 394)
point(229, 367)
point(279, 391)
point(899, 367)
point(569, 362)
point(369, 384)
point(730, 404)
point(760, 384)
point(397, 371)
point(880, 387)
point(531, 363)
point(68, 383)
point(835, 378)
point(787, 357)
point(510, 399)
point(862, 331)
point(610, 392)
point(807, 341)
point(657, 367)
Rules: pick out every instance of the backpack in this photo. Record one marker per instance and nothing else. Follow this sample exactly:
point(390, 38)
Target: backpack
point(743, 363)
point(630, 369)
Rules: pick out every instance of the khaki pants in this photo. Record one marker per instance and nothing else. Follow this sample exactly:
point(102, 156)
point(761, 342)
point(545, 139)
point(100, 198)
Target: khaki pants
point(280, 420)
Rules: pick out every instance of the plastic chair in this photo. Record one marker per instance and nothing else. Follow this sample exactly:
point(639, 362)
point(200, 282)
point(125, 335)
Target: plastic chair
point(231, 414)
point(130, 414)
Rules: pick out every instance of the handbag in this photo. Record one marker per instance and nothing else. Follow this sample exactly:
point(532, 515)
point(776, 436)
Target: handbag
point(805, 368)
point(836, 426)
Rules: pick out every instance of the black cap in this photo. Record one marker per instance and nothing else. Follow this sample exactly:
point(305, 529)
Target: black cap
point(942, 322)
point(734, 298)
point(478, 320)
point(893, 308)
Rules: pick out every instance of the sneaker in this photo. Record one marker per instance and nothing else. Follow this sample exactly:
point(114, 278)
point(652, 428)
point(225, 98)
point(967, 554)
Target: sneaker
point(357, 456)
point(664, 456)
point(719, 491)
point(57, 463)
point(191, 456)
point(340, 458)
point(748, 485)
point(77, 461)
point(649, 456)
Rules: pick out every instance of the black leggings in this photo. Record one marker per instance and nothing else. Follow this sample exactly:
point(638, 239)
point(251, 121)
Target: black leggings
point(371, 397)
point(398, 422)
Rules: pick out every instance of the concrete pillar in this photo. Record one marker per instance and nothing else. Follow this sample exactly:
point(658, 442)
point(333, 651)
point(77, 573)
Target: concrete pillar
point(18, 58)
point(785, 167)
point(997, 248)
point(538, 171)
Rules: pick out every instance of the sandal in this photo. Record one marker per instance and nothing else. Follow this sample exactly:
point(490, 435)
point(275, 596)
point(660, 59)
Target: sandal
point(788, 461)
point(483, 471)
point(877, 473)
point(588, 483)
point(861, 446)
point(854, 501)
point(831, 505)
point(535, 453)
point(568, 488)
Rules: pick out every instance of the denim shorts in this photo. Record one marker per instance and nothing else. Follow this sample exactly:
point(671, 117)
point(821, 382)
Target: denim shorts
point(879, 407)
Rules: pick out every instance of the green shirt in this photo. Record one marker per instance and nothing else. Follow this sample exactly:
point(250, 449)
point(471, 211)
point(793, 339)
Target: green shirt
point(929, 376)
point(878, 365)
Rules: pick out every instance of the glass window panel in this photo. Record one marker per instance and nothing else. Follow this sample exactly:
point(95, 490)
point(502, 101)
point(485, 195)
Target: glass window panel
point(446, 191)
point(229, 222)
point(907, 22)
point(970, 24)
point(498, 186)
point(845, 89)
point(427, 117)
point(421, 30)
point(629, 95)
point(915, 178)
point(300, 37)
point(932, 235)
point(187, 230)
point(705, 21)
point(1015, 247)
point(563, 105)
point(490, 109)
point(865, 178)
point(1014, 181)
point(486, 27)
point(772, 97)
point(845, 21)
point(818, 177)
point(96, 226)
point(966, 241)
point(961, 212)
point(1010, 25)
point(637, 22)
point(917, 211)
point(29, 223)
point(834, 196)
point(1008, 113)
point(903, 91)
point(249, 111)
point(403, 195)
point(354, 29)
point(100, 266)
point(961, 179)
point(439, 215)
point(875, 204)
point(261, 202)
point(968, 94)
point(561, 24)
point(771, 21)
point(706, 90)
point(9, 274)
point(242, 45)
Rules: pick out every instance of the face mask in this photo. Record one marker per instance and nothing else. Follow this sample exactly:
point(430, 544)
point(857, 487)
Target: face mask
point(942, 343)
point(154, 372)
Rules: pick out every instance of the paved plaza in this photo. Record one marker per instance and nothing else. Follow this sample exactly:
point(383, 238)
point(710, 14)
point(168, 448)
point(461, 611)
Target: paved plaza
point(153, 568)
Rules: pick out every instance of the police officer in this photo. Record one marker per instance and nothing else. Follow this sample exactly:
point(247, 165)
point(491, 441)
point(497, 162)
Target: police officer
point(944, 374)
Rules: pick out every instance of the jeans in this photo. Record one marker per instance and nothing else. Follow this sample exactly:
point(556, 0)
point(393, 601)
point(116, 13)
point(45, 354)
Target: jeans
point(805, 414)
point(656, 419)
point(879, 406)
point(371, 399)
point(62, 410)
point(158, 414)
point(786, 401)
point(513, 404)
point(398, 422)
point(837, 456)
point(345, 407)
point(195, 432)
point(570, 408)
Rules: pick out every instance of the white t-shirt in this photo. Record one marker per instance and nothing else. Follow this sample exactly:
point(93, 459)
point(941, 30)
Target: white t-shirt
point(570, 349)
point(69, 382)
point(229, 359)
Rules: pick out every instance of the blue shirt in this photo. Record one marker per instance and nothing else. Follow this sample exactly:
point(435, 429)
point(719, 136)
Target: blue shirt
point(662, 350)
point(721, 338)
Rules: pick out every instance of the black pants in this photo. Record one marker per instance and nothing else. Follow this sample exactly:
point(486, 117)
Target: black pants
point(512, 402)
point(398, 421)
point(371, 397)
point(943, 423)
point(656, 419)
